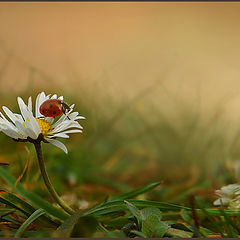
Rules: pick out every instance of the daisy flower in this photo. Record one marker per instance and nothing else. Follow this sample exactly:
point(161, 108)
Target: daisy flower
point(229, 196)
point(29, 128)
point(26, 127)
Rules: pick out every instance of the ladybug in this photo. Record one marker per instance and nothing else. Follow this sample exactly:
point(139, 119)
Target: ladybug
point(53, 108)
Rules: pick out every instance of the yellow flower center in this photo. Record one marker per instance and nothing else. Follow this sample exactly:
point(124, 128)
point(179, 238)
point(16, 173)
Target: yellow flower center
point(44, 125)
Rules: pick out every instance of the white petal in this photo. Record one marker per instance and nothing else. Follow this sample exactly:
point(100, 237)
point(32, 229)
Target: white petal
point(9, 114)
point(79, 117)
point(59, 121)
point(57, 144)
point(54, 96)
point(217, 202)
point(23, 108)
point(19, 117)
point(73, 115)
point(62, 135)
point(30, 131)
point(2, 121)
point(72, 131)
point(2, 116)
point(221, 201)
point(34, 125)
point(30, 104)
point(73, 125)
point(11, 133)
point(37, 113)
point(66, 125)
point(5, 124)
point(40, 99)
point(49, 119)
point(21, 129)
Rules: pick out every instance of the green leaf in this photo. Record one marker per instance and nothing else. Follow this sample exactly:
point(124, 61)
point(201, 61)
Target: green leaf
point(85, 227)
point(136, 213)
point(136, 192)
point(33, 217)
point(151, 211)
point(153, 227)
point(138, 234)
point(116, 223)
point(67, 226)
point(35, 200)
point(77, 226)
point(204, 232)
point(185, 216)
point(176, 233)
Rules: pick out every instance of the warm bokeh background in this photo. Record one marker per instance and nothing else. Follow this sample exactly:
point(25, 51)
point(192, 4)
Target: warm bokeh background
point(158, 83)
point(193, 47)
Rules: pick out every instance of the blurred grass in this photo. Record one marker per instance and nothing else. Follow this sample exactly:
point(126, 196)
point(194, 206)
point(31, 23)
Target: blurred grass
point(127, 143)
point(123, 147)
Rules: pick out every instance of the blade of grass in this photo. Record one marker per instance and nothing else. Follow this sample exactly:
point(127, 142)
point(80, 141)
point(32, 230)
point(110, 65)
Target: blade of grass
point(33, 198)
point(5, 212)
point(4, 201)
point(18, 203)
point(11, 220)
point(214, 223)
point(110, 206)
point(136, 192)
point(32, 218)
point(231, 223)
point(24, 170)
point(113, 206)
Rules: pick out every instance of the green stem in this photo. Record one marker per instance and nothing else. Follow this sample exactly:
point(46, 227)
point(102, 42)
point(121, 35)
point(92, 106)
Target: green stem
point(46, 179)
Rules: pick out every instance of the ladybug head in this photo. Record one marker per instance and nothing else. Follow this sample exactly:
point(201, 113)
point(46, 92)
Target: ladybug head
point(65, 107)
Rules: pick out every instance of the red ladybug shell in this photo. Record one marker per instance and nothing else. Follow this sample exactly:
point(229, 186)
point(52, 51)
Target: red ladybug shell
point(51, 108)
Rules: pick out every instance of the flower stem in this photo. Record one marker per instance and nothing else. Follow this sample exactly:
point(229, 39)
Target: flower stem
point(46, 179)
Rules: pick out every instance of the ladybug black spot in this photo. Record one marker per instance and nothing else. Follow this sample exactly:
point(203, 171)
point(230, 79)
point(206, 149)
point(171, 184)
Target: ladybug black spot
point(50, 105)
point(43, 111)
point(54, 113)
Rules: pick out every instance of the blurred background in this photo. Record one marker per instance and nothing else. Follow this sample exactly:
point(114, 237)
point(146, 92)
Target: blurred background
point(157, 82)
